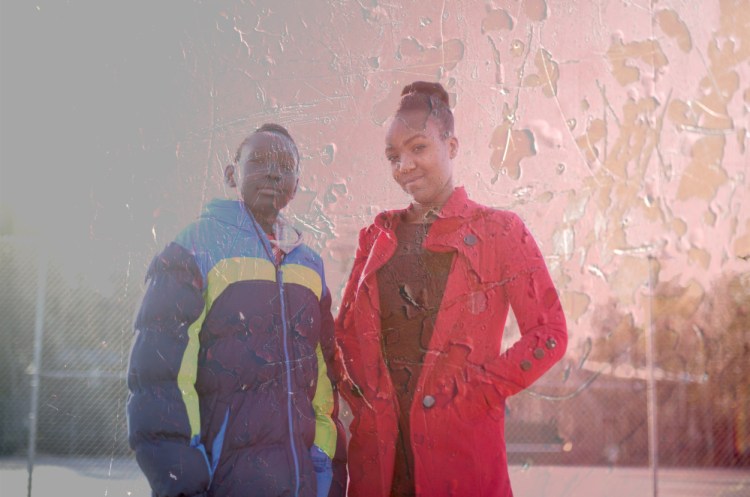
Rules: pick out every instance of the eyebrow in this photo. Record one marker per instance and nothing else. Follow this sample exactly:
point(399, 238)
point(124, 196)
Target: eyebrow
point(279, 154)
point(411, 138)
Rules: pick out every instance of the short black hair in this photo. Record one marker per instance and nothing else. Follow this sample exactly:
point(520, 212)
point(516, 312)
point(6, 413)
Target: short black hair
point(276, 129)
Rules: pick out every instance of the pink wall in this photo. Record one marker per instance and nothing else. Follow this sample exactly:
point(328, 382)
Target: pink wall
point(617, 129)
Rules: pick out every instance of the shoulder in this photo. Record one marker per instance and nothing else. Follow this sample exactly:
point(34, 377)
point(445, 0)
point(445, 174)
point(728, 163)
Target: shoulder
point(309, 255)
point(199, 236)
point(189, 233)
point(177, 262)
point(462, 206)
point(502, 217)
point(368, 232)
point(498, 220)
point(215, 227)
point(383, 221)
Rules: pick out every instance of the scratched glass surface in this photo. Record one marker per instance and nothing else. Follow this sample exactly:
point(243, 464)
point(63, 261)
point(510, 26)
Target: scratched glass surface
point(616, 129)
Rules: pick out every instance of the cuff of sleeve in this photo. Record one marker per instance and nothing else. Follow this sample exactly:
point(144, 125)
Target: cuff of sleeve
point(174, 468)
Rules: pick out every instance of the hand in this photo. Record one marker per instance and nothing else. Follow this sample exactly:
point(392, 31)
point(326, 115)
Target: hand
point(323, 468)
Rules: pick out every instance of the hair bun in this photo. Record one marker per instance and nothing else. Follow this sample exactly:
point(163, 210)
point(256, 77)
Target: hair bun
point(429, 89)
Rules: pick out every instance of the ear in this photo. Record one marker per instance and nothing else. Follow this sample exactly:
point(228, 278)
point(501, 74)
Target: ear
point(229, 176)
point(453, 147)
point(296, 186)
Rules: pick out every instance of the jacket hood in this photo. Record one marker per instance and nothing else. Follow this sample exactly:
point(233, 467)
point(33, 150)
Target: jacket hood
point(234, 213)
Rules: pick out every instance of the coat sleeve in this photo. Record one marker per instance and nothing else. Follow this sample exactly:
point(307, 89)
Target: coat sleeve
point(162, 411)
point(324, 400)
point(347, 341)
point(535, 303)
point(330, 434)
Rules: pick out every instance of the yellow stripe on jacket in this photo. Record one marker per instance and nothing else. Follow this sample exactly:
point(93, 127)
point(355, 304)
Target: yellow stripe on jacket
point(233, 270)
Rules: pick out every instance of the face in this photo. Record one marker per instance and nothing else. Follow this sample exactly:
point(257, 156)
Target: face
point(421, 159)
point(266, 174)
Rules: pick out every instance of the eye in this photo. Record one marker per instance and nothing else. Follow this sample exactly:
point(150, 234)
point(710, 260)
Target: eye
point(393, 159)
point(288, 168)
point(418, 148)
point(258, 160)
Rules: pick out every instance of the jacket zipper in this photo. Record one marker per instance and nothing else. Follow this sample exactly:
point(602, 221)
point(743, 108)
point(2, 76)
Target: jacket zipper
point(263, 239)
point(288, 371)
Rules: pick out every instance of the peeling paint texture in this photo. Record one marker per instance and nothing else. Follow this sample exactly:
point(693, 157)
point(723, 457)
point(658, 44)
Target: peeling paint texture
point(617, 130)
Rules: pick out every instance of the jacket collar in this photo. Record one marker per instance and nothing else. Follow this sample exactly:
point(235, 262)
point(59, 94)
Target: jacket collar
point(458, 205)
point(448, 232)
point(234, 213)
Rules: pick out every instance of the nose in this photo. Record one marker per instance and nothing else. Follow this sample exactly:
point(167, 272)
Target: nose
point(273, 170)
point(406, 164)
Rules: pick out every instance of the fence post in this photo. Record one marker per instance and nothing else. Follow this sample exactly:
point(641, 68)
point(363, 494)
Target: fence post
point(653, 440)
point(41, 290)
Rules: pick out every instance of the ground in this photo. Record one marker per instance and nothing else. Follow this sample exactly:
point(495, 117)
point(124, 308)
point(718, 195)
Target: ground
point(55, 476)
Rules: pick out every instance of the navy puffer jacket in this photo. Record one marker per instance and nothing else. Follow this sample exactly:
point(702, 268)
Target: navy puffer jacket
point(231, 372)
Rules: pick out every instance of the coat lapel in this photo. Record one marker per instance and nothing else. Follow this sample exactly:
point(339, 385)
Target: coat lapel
point(452, 231)
point(383, 246)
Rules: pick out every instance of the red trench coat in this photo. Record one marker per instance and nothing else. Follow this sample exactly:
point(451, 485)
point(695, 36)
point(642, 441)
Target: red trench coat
point(457, 416)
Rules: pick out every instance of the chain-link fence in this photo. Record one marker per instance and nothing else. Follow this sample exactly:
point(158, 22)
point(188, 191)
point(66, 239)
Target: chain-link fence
point(64, 355)
point(672, 393)
point(594, 409)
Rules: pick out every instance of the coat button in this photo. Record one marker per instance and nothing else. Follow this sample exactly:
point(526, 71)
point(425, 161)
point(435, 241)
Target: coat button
point(470, 240)
point(525, 365)
point(428, 401)
point(538, 353)
point(551, 343)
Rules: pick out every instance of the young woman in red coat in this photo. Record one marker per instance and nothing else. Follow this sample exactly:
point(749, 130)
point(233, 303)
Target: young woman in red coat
point(422, 319)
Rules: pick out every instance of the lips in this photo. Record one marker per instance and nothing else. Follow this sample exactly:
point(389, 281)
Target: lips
point(269, 190)
point(405, 183)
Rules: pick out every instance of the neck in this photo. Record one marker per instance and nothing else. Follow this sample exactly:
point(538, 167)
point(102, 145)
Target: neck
point(265, 218)
point(421, 212)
